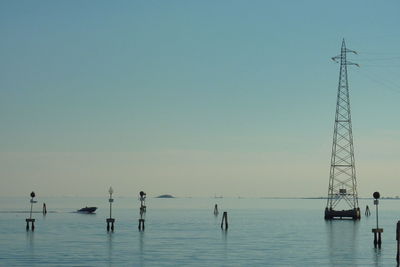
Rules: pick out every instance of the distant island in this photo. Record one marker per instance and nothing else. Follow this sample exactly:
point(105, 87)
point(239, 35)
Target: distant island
point(165, 196)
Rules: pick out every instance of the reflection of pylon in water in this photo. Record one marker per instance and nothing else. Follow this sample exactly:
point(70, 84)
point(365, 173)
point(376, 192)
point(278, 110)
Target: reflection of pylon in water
point(342, 190)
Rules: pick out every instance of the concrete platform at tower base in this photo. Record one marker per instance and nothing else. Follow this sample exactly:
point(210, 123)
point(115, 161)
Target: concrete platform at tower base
point(353, 214)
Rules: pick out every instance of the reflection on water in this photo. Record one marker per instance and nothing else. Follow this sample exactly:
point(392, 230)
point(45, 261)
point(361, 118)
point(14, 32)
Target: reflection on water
point(224, 236)
point(110, 248)
point(30, 242)
point(225, 243)
point(377, 256)
point(141, 248)
point(342, 242)
point(280, 236)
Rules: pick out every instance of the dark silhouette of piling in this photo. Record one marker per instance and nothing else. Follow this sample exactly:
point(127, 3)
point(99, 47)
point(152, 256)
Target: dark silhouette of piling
point(110, 224)
point(224, 221)
point(44, 209)
point(141, 224)
point(377, 237)
point(398, 242)
point(367, 211)
point(216, 210)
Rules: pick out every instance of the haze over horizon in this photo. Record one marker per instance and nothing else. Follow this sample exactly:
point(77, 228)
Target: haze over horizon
point(194, 98)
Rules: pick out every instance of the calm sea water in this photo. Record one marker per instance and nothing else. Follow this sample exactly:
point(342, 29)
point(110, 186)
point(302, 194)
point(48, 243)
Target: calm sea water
point(184, 232)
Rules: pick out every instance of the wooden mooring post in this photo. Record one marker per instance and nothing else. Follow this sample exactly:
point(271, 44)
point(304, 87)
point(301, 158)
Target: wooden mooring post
point(141, 224)
point(224, 221)
point(30, 219)
point(44, 209)
point(110, 221)
point(377, 237)
point(398, 242)
point(216, 210)
point(367, 212)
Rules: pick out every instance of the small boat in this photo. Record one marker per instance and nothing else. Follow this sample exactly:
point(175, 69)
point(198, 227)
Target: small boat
point(87, 209)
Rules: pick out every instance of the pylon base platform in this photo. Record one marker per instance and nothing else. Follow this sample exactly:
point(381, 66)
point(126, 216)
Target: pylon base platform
point(353, 214)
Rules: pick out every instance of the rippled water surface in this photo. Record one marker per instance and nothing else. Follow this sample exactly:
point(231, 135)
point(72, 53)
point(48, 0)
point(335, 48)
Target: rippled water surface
point(184, 232)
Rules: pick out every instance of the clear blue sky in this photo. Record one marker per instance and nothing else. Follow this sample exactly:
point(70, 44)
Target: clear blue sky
point(193, 98)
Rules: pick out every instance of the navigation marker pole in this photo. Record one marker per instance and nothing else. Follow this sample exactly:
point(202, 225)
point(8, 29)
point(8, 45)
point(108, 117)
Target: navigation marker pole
point(110, 221)
point(377, 231)
point(30, 219)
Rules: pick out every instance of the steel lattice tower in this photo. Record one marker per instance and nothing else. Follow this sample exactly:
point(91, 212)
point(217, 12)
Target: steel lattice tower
point(342, 190)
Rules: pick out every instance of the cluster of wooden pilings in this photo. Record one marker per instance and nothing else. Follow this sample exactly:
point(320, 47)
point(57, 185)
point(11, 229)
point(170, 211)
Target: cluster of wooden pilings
point(224, 221)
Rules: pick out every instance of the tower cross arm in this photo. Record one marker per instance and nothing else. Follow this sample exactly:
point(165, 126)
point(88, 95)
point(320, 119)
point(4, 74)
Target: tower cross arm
point(346, 62)
point(352, 63)
point(336, 58)
point(351, 51)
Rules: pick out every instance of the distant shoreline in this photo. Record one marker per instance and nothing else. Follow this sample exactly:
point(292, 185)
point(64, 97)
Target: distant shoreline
point(210, 197)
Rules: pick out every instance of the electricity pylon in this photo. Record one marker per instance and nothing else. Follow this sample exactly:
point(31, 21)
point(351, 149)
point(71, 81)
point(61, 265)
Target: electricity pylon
point(342, 190)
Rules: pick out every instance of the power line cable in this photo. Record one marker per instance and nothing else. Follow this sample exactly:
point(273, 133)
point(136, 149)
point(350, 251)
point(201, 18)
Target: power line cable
point(384, 83)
